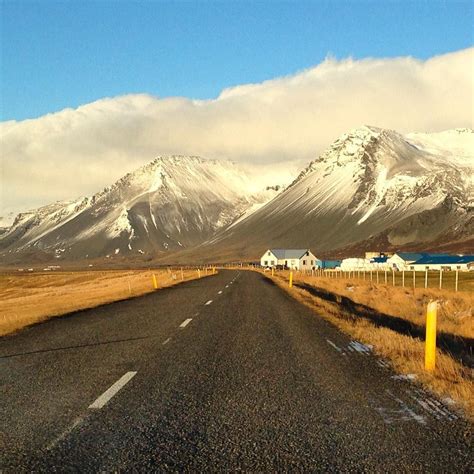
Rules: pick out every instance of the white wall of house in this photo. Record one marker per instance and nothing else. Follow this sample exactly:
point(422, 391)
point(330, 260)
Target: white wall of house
point(269, 260)
point(307, 262)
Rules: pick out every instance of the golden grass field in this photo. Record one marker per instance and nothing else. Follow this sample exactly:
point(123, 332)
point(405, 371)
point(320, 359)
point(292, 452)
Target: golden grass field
point(406, 354)
point(29, 298)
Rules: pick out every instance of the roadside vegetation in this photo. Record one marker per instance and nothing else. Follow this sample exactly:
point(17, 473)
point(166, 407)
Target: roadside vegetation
point(29, 298)
point(392, 320)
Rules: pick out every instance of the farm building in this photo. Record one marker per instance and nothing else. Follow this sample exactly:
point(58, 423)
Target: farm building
point(297, 259)
point(403, 260)
point(330, 264)
point(443, 262)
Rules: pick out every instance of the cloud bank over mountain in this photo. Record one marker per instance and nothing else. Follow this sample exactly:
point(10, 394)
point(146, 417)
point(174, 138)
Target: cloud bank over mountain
point(284, 122)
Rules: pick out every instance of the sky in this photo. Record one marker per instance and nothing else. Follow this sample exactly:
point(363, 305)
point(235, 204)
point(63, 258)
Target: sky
point(92, 90)
point(58, 54)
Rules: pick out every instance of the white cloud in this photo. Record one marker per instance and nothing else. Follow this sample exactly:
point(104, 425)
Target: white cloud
point(285, 122)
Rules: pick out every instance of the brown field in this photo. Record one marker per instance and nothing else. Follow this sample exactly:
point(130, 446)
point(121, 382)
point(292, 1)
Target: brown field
point(29, 298)
point(350, 303)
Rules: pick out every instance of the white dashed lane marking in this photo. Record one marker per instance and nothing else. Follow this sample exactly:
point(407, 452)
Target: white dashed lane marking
point(208, 303)
point(166, 342)
point(108, 394)
point(219, 292)
point(185, 323)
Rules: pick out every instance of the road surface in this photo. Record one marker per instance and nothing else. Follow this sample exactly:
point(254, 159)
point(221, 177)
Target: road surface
point(223, 373)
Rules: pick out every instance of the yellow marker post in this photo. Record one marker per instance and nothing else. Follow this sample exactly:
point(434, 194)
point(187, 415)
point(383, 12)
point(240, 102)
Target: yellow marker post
point(430, 341)
point(199, 273)
point(273, 271)
point(290, 283)
point(155, 283)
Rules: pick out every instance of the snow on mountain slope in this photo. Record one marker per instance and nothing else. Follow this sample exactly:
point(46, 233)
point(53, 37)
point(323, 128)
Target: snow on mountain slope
point(171, 203)
point(368, 181)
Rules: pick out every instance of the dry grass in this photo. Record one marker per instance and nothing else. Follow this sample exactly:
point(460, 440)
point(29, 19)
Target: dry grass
point(406, 354)
point(30, 298)
point(455, 309)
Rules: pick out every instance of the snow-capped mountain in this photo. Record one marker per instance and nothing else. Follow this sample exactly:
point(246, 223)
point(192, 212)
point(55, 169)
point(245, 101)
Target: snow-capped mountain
point(371, 183)
point(171, 203)
point(371, 188)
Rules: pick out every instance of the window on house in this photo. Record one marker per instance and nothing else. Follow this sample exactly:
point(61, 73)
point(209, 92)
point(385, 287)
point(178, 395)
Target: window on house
point(273, 262)
point(304, 262)
point(269, 253)
point(459, 267)
point(265, 262)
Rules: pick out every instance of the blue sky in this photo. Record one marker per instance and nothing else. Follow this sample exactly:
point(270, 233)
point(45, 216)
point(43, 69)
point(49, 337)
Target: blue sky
point(64, 54)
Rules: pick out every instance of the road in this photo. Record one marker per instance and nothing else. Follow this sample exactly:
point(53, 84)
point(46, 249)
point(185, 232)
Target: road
point(223, 373)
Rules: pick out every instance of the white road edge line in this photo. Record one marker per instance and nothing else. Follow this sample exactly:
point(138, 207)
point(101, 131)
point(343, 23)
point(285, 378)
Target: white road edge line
point(208, 303)
point(185, 322)
point(108, 394)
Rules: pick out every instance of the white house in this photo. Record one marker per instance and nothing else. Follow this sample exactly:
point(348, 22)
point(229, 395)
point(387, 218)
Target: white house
point(296, 259)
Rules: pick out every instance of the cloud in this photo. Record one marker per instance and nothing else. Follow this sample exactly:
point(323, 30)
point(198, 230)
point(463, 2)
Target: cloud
point(284, 122)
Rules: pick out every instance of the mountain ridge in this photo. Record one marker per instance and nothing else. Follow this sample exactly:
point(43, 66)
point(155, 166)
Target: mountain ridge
point(370, 185)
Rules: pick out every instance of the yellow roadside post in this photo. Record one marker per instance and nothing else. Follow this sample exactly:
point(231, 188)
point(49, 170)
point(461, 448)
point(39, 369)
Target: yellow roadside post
point(273, 271)
point(155, 283)
point(456, 281)
point(290, 283)
point(426, 278)
point(440, 278)
point(430, 341)
point(199, 273)
point(182, 274)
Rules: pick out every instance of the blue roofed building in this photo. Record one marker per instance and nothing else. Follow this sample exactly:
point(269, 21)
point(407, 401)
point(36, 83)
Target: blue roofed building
point(443, 262)
point(404, 260)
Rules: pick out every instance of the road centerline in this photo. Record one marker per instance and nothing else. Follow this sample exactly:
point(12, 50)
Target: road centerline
point(185, 322)
point(208, 303)
point(110, 392)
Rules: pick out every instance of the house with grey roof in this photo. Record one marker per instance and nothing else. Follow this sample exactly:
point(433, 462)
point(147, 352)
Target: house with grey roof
point(295, 259)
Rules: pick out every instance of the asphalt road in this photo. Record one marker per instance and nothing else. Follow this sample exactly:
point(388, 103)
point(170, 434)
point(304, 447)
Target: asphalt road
point(223, 373)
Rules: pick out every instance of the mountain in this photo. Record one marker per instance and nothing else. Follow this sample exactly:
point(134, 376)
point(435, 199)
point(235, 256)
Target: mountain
point(169, 204)
point(371, 187)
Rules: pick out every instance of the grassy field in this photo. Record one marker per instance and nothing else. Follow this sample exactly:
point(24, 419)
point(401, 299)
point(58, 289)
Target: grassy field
point(29, 298)
point(375, 314)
